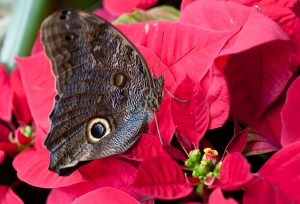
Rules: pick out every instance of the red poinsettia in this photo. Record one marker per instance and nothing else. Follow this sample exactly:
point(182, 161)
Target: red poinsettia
point(259, 68)
point(118, 7)
point(7, 195)
point(275, 182)
point(15, 115)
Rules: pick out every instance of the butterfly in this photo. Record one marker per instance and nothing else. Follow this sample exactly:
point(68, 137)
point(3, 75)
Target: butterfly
point(106, 93)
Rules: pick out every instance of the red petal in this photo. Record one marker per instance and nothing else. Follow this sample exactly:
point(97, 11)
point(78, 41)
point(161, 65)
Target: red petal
point(104, 14)
point(258, 190)
point(118, 7)
point(162, 178)
point(191, 117)
point(257, 76)
point(216, 197)
point(147, 146)
point(107, 195)
point(7, 196)
point(183, 48)
point(21, 138)
point(109, 172)
point(218, 99)
point(259, 144)
point(39, 86)
point(269, 124)
point(2, 156)
point(290, 115)
point(20, 104)
point(5, 95)
point(238, 142)
point(9, 148)
point(32, 168)
point(282, 170)
point(68, 194)
point(234, 172)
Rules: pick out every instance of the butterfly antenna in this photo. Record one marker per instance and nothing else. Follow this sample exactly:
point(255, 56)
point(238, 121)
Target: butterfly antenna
point(161, 48)
point(158, 131)
point(180, 58)
point(174, 97)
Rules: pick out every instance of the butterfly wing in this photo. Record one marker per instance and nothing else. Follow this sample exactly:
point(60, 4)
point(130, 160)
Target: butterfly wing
point(101, 79)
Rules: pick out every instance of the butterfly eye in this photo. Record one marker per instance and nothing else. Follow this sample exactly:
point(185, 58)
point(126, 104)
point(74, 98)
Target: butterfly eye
point(98, 128)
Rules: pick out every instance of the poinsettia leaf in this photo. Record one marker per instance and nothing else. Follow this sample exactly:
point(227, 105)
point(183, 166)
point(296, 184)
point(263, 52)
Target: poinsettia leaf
point(118, 7)
point(68, 194)
point(162, 178)
point(109, 171)
point(218, 98)
point(8, 196)
point(269, 124)
point(192, 115)
point(147, 146)
point(238, 142)
point(259, 144)
point(290, 115)
point(39, 86)
point(5, 95)
point(234, 172)
point(107, 195)
point(262, 59)
point(252, 74)
point(164, 118)
point(217, 197)
point(184, 141)
point(183, 49)
point(2, 156)
point(258, 190)
point(282, 170)
point(174, 152)
point(20, 105)
point(32, 168)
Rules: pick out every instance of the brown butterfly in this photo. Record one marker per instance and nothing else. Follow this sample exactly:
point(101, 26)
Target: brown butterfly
point(105, 90)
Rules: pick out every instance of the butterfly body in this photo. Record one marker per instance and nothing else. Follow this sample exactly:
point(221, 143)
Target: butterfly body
point(106, 92)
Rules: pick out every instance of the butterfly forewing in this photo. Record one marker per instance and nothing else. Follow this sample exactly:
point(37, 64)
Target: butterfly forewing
point(102, 82)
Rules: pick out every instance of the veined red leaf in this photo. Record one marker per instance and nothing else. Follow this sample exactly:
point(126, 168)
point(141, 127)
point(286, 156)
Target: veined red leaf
point(259, 144)
point(5, 95)
point(147, 146)
point(191, 117)
point(39, 86)
point(234, 172)
point(290, 115)
point(106, 195)
point(7, 196)
point(217, 197)
point(162, 178)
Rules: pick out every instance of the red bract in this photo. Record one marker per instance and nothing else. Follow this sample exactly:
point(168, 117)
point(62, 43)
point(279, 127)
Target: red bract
point(192, 116)
point(146, 147)
point(5, 95)
point(217, 197)
point(106, 195)
point(161, 177)
point(37, 77)
point(118, 7)
point(7, 196)
point(290, 115)
point(284, 12)
point(259, 70)
point(278, 177)
point(234, 172)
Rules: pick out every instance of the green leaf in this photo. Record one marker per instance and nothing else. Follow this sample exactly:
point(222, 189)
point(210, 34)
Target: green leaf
point(157, 13)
